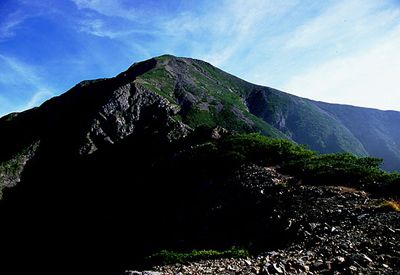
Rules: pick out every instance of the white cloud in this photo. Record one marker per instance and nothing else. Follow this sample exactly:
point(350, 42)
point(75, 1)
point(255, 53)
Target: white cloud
point(5, 106)
point(215, 33)
point(108, 8)
point(250, 14)
point(18, 74)
point(99, 27)
point(7, 29)
point(369, 78)
point(335, 56)
point(9, 24)
point(231, 27)
point(96, 27)
point(38, 98)
point(12, 21)
point(19, 71)
point(345, 20)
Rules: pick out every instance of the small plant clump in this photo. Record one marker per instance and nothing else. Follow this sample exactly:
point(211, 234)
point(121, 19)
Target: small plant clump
point(392, 205)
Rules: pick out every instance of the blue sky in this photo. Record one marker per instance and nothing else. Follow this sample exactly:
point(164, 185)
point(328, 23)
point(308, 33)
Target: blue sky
point(336, 51)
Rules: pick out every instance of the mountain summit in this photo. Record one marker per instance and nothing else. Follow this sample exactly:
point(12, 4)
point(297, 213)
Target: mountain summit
point(182, 94)
point(173, 153)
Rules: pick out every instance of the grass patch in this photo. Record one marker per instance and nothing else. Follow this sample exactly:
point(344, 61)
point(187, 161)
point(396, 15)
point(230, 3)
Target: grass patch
point(166, 257)
point(196, 117)
point(156, 90)
point(159, 81)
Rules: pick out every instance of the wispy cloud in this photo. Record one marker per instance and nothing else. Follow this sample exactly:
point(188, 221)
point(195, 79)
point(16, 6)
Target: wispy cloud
point(346, 20)
point(37, 98)
point(248, 39)
point(21, 71)
point(228, 28)
point(12, 17)
point(10, 23)
point(101, 27)
point(215, 32)
point(33, 90)
point(97, 27)
point(284, 44)
point(369, 78)
point(108, 8)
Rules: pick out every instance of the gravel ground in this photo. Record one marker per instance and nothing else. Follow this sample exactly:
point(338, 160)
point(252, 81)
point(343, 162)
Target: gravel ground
point(337, 230)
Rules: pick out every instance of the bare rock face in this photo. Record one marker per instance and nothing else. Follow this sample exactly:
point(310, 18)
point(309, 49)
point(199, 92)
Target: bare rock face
point(219, 132)
point(11, 170)
point(119, 116)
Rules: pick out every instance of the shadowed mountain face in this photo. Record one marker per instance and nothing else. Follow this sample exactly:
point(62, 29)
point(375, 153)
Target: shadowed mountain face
point(91, 169)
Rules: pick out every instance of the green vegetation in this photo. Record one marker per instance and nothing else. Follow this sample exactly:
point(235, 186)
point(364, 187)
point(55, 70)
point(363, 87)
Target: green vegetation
point(294, 160)
point(216, 98)
point(222, 78)
point(159, 81)
point(166, 257)
point(262, 127)
point(210, 87)
point(340, 168)
point(197, 117)
point(304, 122)
point(217, 87)
point(164, 57)
point(237, 149)
point(157, 91)
point(226, 118)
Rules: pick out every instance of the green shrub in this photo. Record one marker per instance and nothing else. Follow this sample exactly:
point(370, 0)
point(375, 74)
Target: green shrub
point(229, 152)
point(340, 168)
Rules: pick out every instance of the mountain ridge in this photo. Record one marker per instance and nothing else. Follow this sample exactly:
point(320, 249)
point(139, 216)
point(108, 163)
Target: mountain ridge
point(205, 95)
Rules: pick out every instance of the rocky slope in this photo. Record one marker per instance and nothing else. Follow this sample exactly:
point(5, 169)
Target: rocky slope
point(338, 230)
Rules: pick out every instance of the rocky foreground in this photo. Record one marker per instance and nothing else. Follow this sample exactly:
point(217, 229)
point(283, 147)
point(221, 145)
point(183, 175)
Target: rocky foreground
point(336, 229)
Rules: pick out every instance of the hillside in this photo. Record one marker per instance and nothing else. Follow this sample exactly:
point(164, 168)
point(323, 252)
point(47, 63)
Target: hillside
point(375, 129)
point(173, 154)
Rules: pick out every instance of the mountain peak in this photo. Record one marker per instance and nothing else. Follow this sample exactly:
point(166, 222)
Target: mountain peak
point(184, 94)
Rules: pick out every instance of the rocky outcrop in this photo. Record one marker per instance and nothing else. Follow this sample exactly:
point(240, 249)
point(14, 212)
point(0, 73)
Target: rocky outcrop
point(11, 170)
point(124, 110)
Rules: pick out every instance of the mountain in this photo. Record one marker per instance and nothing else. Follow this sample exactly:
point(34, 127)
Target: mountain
point(99, 112)
point(375, 129)
point(116, 169)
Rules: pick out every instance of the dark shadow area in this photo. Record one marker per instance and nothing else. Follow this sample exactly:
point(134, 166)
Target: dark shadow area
point(106, 212)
